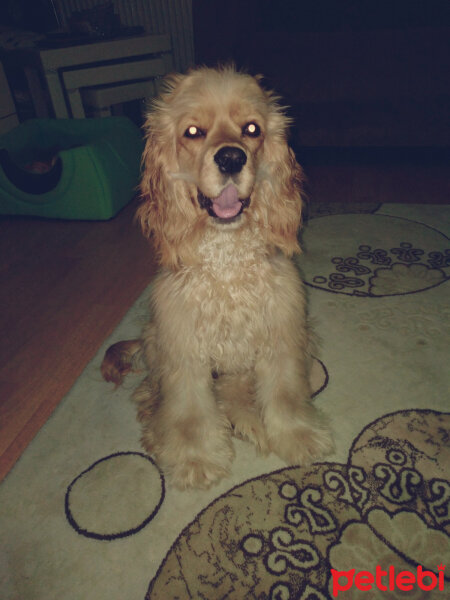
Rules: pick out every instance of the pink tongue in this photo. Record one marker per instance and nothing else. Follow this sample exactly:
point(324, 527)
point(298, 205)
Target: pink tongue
point(227, 205)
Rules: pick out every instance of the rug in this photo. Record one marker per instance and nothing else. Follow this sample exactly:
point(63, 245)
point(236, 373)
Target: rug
point(86, 514)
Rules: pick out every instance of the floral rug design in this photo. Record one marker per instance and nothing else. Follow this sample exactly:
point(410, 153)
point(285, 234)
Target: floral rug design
point(383, 265)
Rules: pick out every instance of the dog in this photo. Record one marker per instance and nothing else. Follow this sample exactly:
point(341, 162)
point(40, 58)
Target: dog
point(228, 347)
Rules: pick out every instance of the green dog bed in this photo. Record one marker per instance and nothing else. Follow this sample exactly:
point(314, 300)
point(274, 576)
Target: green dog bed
point(69, 168)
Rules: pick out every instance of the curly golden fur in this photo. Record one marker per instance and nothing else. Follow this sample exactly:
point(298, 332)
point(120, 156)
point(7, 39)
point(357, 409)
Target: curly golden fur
point(228, 347)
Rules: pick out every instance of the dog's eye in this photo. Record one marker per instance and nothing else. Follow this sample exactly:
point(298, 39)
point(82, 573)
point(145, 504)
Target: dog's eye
point(194, 132)
point(251, 129)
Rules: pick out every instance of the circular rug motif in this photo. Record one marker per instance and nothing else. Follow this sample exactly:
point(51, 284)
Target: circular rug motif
point(115, 497)
point(318, 377)
point(280, 535)
point(378, 255)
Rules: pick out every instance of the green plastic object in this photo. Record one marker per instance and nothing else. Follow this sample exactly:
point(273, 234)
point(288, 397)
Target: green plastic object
point(94, 175)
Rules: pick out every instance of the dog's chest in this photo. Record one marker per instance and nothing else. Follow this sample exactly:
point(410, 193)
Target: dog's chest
point(228, 309)
point(231, 316)
point(232, 295)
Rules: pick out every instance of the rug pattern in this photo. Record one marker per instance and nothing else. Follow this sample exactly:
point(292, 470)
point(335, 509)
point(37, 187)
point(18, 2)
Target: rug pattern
point(278, 536)
point(373, 264)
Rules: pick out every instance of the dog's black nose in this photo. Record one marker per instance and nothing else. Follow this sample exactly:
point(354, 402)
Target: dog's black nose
point(230, 159)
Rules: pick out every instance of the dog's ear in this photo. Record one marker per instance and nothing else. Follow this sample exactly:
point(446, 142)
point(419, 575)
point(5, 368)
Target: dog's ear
point(280, 178)
point(280, 194)
point(167, 209)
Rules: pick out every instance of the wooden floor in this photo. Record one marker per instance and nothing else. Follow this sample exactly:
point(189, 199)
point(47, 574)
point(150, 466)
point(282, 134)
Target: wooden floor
point(65, 285)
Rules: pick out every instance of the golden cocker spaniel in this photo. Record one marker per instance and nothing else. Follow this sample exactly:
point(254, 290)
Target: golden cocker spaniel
point(228, 346)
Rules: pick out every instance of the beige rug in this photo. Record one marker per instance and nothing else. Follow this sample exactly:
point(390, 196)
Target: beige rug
point(85, 514)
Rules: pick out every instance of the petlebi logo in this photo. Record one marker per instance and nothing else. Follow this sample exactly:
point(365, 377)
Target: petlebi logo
point(388, 581)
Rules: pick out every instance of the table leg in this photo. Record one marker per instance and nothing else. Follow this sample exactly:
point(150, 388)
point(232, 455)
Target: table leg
point(56, 94)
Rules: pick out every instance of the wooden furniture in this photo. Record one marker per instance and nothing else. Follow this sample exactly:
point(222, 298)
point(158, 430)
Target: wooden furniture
point(8, 116)
point(69, 70)
point(100, 100)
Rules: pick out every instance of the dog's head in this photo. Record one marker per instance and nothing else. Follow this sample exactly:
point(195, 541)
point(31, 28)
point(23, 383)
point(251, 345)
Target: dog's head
point(216, 156)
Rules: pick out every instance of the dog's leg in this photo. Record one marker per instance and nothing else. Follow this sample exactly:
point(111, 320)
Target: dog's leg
point(296, 431)
point(236, 397)
point(188, 433)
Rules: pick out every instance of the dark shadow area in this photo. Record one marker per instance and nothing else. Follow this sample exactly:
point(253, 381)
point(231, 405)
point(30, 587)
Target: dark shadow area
point(366, 82)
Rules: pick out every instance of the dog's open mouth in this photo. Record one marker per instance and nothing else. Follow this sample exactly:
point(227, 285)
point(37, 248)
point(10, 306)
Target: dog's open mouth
point(226, 207)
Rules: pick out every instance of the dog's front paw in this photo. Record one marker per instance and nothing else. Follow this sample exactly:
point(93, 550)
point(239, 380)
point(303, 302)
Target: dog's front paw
point(302, 445)
point(197, 474)
point(250, 428)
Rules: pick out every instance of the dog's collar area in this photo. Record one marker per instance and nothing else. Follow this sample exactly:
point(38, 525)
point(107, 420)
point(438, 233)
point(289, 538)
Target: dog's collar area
point(207, 204)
